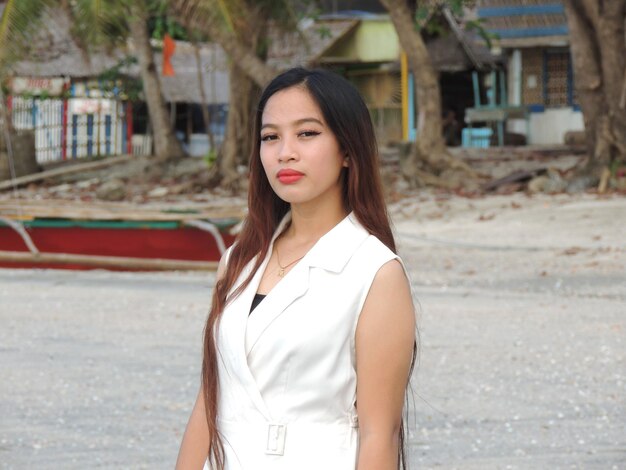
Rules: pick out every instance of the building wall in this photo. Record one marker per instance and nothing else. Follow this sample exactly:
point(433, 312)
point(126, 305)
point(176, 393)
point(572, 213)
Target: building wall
point(383, 95)
point(549, 126)
point(547, 90)
point(532, 76)
point(375, 40)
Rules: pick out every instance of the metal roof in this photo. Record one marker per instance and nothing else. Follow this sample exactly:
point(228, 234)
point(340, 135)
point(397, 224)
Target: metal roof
point(520, 23)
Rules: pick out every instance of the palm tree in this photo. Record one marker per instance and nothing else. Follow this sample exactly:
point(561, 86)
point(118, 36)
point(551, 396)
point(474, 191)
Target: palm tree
point(19, 20)
point(99, 23)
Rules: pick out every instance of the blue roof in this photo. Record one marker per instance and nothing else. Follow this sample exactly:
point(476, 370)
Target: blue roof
point(521, 20)
point(351, 14)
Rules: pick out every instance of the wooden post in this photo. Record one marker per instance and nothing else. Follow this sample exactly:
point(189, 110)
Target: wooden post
point(64, 129)
point(404, 81)
point(129, 128)
point(476, 85)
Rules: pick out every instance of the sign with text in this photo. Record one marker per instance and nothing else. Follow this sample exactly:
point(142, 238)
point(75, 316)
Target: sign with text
point(90, 106)
point(37, 86)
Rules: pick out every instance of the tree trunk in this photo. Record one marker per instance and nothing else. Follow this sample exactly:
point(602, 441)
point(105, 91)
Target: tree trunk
point(598, 48)
point(167, 146)
point(235, 149)
point(250, 64)
point(205, 106)
point(248, 72)
point(243, 94)
point(429, 161)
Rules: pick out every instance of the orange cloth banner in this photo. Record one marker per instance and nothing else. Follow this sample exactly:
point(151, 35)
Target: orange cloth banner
point(169, 46)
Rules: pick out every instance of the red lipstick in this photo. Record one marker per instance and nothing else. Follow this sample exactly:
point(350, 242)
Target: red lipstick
point(288, 176)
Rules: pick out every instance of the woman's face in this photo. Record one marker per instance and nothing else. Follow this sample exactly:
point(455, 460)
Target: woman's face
point(300, 154)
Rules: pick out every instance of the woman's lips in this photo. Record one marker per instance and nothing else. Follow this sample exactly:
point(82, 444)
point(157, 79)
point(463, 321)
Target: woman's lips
point(289, 176)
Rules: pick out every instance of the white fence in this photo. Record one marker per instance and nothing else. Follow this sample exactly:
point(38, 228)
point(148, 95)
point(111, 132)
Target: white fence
point(76, 128)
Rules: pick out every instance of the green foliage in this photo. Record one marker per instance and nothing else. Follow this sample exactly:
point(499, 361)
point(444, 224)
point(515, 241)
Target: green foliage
point(115, 81)
point(478, 27)
point(104, 23)
point(163, 24)
point(456, 6)
point(99, 23)
point(431, 23)
point(210, 158)
point(422, 13)
point(18, 27)
point(615, 166)
point(324, 32)
point(308, 10)
point(234, 16)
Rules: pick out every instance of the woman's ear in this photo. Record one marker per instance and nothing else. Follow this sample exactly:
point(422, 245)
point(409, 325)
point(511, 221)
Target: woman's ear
point(346, 160)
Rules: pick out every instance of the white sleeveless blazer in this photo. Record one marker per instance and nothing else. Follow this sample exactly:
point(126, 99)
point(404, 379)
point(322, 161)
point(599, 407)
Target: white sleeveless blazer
point(287, 371)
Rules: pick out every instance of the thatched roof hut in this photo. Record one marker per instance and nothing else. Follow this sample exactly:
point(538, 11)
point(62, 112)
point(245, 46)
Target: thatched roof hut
point(55, 54)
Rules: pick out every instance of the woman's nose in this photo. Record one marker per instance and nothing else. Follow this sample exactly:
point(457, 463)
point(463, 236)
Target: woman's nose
point(287, 152)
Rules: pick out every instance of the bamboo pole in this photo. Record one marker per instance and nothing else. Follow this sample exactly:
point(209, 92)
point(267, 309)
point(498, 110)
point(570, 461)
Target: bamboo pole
point(59, 208)
point(404, 80)
point(146, 264)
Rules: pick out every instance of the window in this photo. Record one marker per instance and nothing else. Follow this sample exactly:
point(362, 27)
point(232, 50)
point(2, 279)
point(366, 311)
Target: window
point(558, 83)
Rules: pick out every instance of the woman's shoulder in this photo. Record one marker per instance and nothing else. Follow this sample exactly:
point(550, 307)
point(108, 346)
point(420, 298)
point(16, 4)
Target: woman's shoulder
point(224, 260)
point(367, 246)
point(372, 242)
point(373, 252)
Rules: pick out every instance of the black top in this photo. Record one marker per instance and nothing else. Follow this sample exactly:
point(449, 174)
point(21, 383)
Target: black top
point(256, 301)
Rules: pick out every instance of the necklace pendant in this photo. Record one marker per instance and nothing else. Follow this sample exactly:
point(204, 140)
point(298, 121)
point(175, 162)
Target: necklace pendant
point(281, 272)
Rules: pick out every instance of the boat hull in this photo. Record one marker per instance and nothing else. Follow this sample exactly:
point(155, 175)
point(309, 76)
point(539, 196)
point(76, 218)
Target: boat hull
point(167, 240)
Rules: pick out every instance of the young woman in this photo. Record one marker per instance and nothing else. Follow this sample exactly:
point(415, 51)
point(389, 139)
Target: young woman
point(311, 335)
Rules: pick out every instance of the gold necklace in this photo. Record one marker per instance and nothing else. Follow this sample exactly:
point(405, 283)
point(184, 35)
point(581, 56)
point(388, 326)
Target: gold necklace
point(281, 268)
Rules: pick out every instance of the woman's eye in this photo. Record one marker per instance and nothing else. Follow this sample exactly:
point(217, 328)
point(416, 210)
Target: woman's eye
point(268, 137)
point(308, 133)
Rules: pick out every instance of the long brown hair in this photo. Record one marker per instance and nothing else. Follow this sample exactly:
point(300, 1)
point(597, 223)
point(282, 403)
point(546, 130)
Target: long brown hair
point(348, 117)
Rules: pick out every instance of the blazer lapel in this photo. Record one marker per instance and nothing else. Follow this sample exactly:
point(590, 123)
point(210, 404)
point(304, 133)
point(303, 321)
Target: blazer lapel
point(293, 286)
point(233, 326)
point(232, 331)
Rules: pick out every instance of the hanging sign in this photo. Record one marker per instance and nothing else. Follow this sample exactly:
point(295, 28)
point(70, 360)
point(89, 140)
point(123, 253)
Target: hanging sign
point(90, 106)
point(37, 86)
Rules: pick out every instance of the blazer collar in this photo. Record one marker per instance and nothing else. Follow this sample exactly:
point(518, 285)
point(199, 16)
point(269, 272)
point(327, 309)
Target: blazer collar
point(335, 248)
point(331, 252)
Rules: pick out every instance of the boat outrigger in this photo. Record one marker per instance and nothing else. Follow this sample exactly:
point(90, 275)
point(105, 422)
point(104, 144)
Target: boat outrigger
point(59, 234)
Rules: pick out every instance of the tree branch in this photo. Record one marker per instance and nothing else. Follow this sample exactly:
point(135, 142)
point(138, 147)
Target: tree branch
point(245, 58)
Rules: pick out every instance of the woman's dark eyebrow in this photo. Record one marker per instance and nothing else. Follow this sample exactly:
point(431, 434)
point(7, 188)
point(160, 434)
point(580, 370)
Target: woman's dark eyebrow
point(297, 123)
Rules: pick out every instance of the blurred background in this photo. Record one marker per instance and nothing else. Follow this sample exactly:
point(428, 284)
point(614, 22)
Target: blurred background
point(124, 144)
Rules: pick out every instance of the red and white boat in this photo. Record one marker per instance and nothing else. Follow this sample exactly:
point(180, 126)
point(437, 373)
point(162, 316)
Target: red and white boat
point(58, 234)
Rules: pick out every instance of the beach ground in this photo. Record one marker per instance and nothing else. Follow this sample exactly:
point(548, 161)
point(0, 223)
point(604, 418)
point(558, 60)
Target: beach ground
point(522, 345)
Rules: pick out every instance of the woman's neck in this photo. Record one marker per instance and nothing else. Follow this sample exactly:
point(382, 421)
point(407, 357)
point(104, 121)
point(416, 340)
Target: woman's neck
point(309, 224)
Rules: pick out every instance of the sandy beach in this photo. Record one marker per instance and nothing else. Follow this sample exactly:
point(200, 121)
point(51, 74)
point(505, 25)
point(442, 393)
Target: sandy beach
point(522, 344)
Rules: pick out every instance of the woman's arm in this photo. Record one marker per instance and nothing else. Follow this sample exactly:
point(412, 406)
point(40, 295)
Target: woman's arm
point(195, 445)
point(385, 337)
point(194, 448)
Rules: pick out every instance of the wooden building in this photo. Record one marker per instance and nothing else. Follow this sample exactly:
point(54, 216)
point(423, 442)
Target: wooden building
point(77, 110)
point(533, 35)
point(366, 50)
